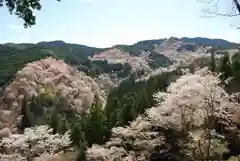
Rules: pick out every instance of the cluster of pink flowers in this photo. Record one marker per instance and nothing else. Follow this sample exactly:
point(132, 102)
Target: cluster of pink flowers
point(187, 102)
point(47, 76)
point(33, 143)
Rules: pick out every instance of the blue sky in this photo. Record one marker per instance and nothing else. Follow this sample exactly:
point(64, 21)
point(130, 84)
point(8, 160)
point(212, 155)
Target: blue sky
point(103, 23)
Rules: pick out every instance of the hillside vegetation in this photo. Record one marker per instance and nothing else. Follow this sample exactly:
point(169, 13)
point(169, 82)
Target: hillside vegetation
point(13, 57)
point(71, 109)
point(216, 43)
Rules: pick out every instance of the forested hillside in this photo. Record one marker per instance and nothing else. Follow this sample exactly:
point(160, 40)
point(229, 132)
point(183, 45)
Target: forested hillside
point(216, 43)
point(183, 111)
point(159, 99)
point(15, 56)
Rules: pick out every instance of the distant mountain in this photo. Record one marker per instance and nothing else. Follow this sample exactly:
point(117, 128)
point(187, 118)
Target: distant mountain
point(148, 45)
point(20, 46)
point(13, 57)
point(147, 54)
point(52, 43)
point(217, 43)
point(135, 49)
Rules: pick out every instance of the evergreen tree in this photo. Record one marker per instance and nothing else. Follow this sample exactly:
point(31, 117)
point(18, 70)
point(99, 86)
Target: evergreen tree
point(78, 134)
point(55, 121)
point(225, 67)
point(27, 116)
point(64, 125)
point(111, 110)
point(96, 124)
point(236, 65)
point(79, 139)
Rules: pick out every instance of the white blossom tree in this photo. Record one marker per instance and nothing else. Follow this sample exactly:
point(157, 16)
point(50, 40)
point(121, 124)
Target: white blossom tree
point(191, 106)
point(32, 143)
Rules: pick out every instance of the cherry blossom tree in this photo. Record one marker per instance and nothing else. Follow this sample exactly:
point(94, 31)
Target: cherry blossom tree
point(188, 112)
point(34, 142)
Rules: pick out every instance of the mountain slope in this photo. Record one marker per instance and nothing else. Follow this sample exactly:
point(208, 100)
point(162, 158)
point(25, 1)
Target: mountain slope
point(14, 56)
point(217, 43)
point(135, 49)
point(49, 78)
point(51, 92)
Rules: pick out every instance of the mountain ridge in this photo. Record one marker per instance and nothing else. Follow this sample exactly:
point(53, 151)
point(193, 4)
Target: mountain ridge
point(196, 39)
point(148, 54)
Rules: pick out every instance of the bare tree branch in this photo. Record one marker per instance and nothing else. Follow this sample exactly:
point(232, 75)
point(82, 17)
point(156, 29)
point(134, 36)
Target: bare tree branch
point(210, 13)
point(215, 14)
point(237, 5)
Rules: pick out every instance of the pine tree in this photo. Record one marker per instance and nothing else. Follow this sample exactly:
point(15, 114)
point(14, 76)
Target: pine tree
point(27, 116)
point(64, 125)
point(97, 128)
point(79, 139)
point(111, 110)
point(78, 134)
point(54, 123)
point(225, 68)
point(236, 65)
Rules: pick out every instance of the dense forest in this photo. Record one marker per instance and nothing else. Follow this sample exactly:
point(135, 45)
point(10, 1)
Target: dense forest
point(125, 103)
point(15, 56)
